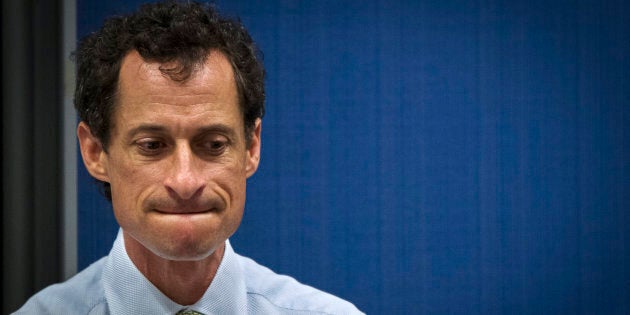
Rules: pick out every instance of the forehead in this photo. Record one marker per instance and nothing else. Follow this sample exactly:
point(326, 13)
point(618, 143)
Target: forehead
point(213, 79)
point(147, 96)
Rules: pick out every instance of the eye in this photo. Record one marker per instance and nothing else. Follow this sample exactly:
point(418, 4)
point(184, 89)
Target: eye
point(150, 146)
point(215, 145)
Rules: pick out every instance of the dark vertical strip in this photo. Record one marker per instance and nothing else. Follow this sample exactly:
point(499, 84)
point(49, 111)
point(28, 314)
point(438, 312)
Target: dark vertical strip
point(17, 154)
point(31, 174)
point(47, 118)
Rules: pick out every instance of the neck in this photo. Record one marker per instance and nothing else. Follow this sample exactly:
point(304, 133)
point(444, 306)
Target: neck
point(184, 282)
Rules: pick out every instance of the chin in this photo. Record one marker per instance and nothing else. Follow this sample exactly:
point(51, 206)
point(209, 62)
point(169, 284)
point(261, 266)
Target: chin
point(184, 254)
point(187, 249)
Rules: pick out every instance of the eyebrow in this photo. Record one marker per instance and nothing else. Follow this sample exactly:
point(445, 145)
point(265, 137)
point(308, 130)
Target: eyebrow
point(146, 128)
point(218, 128)
point(213, 128)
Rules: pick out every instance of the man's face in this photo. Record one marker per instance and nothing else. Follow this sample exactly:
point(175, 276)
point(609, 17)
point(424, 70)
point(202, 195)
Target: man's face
point(178, 160)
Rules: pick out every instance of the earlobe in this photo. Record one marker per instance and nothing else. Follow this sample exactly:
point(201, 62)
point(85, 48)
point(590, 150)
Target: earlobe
point(92, 152)
point(253, 151)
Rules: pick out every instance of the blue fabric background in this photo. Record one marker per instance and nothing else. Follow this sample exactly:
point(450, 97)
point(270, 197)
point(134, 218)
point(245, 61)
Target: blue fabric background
point(433, 157)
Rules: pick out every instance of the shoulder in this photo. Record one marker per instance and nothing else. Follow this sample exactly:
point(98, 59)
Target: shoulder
point(81, 294)
point(268, 291)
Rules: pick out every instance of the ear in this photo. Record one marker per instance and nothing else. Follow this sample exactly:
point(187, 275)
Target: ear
point(94, 157)
point(253, 151)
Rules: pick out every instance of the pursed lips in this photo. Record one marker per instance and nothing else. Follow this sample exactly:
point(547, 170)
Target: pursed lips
point(187, 210)
point(210, 205)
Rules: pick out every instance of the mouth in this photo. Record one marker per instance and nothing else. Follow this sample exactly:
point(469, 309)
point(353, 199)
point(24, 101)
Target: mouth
point(183, 208)
point(186, 211)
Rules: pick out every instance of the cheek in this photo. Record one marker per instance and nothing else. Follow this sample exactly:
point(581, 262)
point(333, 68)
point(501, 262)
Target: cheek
point(131, 183)
point(231, 178)
point(124, 170)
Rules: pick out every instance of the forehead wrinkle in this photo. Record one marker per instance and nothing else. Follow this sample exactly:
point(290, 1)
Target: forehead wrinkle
point(192, 100)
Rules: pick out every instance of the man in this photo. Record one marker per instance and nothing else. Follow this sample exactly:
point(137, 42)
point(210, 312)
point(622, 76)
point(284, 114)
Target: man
point(171, 100)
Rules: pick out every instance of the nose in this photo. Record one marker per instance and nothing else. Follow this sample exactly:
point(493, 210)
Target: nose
point(185, 178)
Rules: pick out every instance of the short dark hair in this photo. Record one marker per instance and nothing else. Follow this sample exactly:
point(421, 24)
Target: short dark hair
point(167, 31)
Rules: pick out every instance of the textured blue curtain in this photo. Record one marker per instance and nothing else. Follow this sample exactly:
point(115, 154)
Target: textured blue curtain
point(433, 157)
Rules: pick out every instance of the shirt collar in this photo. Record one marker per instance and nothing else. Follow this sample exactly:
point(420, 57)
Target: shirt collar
point(128, 292)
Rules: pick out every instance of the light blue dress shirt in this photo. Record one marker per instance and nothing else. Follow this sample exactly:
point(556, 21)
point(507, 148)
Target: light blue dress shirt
point(113, 285)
